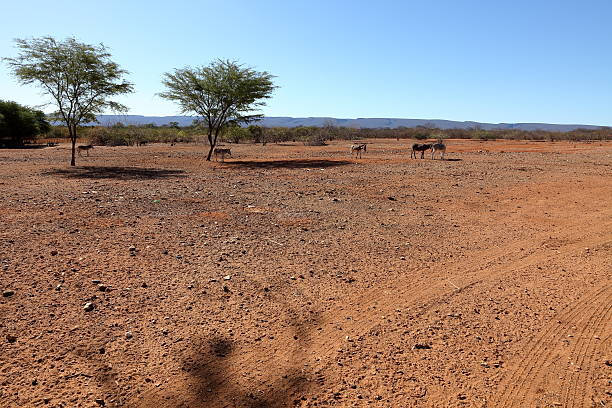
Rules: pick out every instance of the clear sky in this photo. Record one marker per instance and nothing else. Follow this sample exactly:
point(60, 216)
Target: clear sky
point(488, 60)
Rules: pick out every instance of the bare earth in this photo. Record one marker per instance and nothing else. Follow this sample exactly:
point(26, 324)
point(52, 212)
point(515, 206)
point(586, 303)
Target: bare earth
point(298, 276)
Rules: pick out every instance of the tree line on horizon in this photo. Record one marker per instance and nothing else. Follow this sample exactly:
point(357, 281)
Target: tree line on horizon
point(82, 79)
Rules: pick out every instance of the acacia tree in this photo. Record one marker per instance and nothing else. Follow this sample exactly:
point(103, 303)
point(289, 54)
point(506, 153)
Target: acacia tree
point(221, 93)
point(80, 78)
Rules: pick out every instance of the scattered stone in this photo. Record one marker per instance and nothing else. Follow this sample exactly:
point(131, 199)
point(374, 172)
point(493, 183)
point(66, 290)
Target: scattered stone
point(420, 346)
point(88, 307)
point(54, 252)
point(102, 288)
point(227, 277)
point(58, 287)
point(35, 382)
point(132, 248)
point(144, 285)
point(11, 339)
point(402, 258)
point(292, 277)
point(102, 350)
point(100, 402)
point(46, 400)
point(226, 289)
point(8, 293)
point(165, 252)
point(96, 281)
point(392, 198)
point(128, 335)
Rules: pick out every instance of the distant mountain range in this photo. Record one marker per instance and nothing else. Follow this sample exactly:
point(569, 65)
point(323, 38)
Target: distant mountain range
point(364, 123)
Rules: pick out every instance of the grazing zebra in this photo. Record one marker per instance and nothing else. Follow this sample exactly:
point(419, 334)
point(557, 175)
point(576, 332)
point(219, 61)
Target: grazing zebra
point(417, 147)
point(222, 152)
point(358, 149)
point(439, 146)
point(85, 148)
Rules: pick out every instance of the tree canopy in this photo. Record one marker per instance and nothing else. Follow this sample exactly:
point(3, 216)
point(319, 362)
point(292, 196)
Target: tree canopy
point(19, 124)
point(79, 77)
point(222, 93)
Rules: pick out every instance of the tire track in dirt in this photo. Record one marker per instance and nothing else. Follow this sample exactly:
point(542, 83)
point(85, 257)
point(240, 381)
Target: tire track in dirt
point(588, 314)
point(586, 356)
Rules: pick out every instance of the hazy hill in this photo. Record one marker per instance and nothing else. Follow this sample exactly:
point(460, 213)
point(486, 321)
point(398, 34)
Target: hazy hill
point(372, 123)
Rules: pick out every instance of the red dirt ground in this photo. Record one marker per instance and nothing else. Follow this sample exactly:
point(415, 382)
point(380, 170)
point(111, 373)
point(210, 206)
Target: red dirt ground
point(299, 276)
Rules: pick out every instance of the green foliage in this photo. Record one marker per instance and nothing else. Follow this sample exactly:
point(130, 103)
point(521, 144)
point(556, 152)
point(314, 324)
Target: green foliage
point(221, 93)
point(136, 135)
point(256, 132)
point(310, 135)
point(236, 134)
point(19, 124)
point(80, 78)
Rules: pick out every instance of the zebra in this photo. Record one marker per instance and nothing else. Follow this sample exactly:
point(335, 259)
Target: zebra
point(438, 146)
point(358, 149)
point(222, 152)
point(84, 148)
point(417, 147)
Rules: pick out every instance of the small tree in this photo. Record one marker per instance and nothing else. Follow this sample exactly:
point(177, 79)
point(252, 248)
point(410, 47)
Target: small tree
point(221, 93)
point(234, 133)
point(79, 77)
point(256, 133)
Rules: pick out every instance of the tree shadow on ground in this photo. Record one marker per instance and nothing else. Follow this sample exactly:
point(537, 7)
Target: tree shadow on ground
point(288, 164)
point(213, 377)
point(120, 173)
point(453, 160)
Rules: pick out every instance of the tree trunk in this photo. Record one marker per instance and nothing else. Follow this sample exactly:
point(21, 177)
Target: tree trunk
point(212, 145)
point(72, 134)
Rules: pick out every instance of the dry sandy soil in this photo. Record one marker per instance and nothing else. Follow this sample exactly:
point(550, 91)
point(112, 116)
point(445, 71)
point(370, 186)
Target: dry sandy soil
point(298, 276)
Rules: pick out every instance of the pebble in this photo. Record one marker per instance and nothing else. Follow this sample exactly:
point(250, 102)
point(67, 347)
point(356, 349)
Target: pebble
point(88, 307)
point(100, 402)
point(129, 335)
point(54, 252)
point(8, 293)
point(227, 277)
point(11, 339)
point(102, 288)
point(96, 281)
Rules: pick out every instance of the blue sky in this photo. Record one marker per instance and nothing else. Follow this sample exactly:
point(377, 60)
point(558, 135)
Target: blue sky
point(489, 61)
